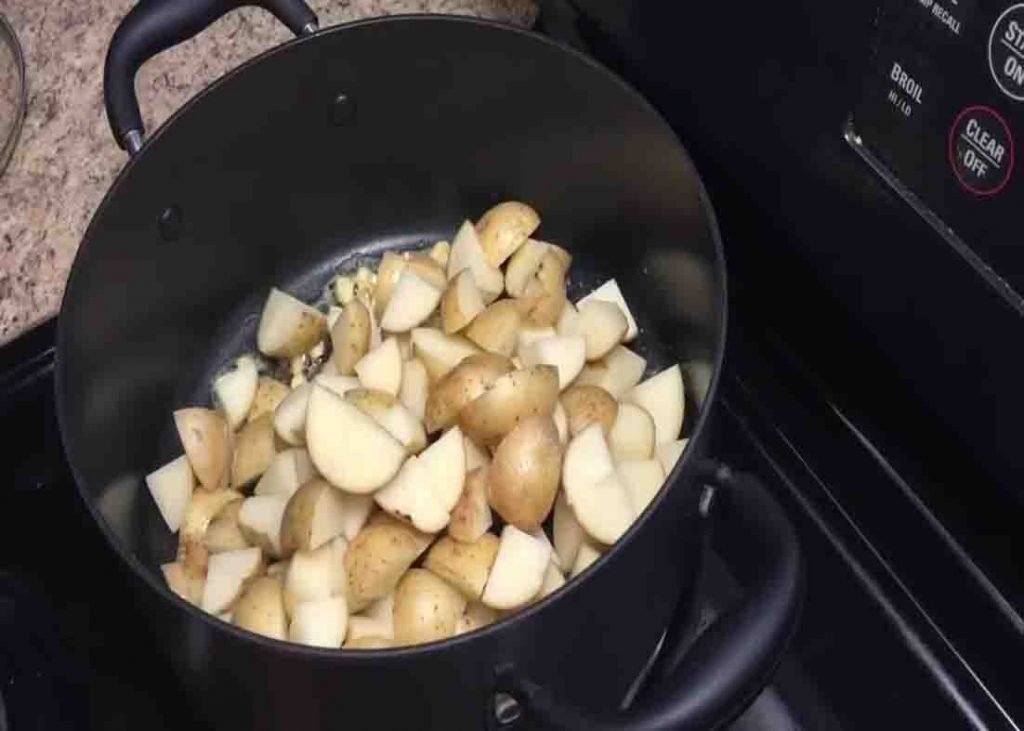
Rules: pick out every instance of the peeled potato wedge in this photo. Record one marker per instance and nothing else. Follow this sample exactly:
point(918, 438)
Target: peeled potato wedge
point(426, 608)
point(269, 394)
point(567, 353)
point(610, 292)
point(461, 302)
point(586, 405)
point(496, 329)
point(223, 533)
point(471, 516)
point(602, 325)
point(381, 368)
point(464, 566)
point(226, 577)
point(513, 396)
point(616, 373)
point(469, 379)
point(669, 453)
point(632, 434)
point(171, 487)
point(504, 228)
point(643, 479)
point(567, 533)
point(315, 574)
point(444, 463)
point(518, 571)
point(290, 415)
point(593, 489)
point(235, 389)
point(350, 336)
point(662, 397)
point(320, 622)
point(466, 253)
point(254, 451)
point(524, 474)
point(378, 557)
point(523, 265)
point(412, 302)
point(287, 472)
point(205, 437)
point(288, 327)
point(414, 391)
point(260, 608)
point(439, 352)
point(314, 515)
point(260, 519)
point(351, 450)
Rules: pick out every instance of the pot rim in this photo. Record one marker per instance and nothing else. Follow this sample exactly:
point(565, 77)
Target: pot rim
point(672, 481)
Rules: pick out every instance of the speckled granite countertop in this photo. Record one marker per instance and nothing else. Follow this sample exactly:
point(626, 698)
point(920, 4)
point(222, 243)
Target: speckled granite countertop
point(67, 158)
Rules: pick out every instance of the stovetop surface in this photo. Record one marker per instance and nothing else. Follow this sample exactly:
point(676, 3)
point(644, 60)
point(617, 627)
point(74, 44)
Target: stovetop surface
point(874, 649)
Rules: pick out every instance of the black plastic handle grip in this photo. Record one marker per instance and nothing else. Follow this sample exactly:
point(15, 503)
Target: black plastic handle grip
point(708, 681)
point(153, 26)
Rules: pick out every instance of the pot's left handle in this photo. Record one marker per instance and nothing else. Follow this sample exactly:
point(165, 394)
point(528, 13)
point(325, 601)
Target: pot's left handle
point(153, 26)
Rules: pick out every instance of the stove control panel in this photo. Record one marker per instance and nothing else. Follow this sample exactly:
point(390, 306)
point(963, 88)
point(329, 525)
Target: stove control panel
point(941, 115)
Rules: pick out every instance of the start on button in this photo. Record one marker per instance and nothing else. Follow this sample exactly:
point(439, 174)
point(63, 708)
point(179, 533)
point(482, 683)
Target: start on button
point(981, 150)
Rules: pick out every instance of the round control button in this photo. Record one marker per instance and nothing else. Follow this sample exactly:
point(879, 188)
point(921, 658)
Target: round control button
point(1006, 52)
point(981, 150)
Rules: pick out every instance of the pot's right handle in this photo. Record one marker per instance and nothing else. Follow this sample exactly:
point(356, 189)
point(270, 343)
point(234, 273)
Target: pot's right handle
point(727, 665)
point(153, 26)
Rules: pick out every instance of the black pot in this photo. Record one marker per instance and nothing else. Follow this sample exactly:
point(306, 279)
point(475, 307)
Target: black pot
point(386, 134)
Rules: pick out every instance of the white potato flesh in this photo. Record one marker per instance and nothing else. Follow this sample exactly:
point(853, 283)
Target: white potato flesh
point(205, 437)
point(260, 521)
point(355, 512)
point(669, 453)
point(316, 574)
point(602, 326)
point(171, 487)
point(523, 265)
point(475, 456)
point(336, 383)
point(439, 352)
point(289, 471)
point(632, 434)
point(567, 533)
point(383, 612)
point(518, 571)
point(567, 353)
point(360, 628)
point(412, 302)
point(403, 426)
point(409, 497)
point(643, 479)
point(415, 386)
point(529, 334)
point(662, 397)
point(610, 292)
point(235, 389)
point(290, 415)
point(553, 581)
point(587, 555)
point(333, 313)
point(226, 576)
point(461, 302)
point(593, 489)
point(288, 326)
point(187, 585)
point(561, 423)
point(466, 253)
point(314, 516)
point(320, 623)
point(569, 321)
point(444, 463)
point(351, 450)
point(616, 373)
point(381, 368)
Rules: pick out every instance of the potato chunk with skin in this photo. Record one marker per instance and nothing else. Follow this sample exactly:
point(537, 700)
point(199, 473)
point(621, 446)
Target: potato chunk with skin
point(512, 397)
point(496, 329)
point(350, 336)
point(504, 228)
point(254, 451)
point(469, 379)
point(518, 571)
point(205, 437)
point(586, 405)
point(461, 302)
point(471, 516)
point(525, 472)
point(288, 326)
point(465, 566)
point(269, 394)
point(260, 609)
point(426, 608)
point(378, 557)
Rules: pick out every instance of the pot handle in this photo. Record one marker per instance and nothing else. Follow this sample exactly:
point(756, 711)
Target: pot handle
point(706, 681)
point(153, 26)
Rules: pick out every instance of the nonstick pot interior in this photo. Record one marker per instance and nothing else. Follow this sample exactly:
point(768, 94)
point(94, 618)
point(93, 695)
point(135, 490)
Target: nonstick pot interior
point(384, 134)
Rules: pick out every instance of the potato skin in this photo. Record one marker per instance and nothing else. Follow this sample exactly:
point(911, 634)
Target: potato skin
point(378, 557)
point(254, 450)
point(471, 516)
point(504, 228)
point(427, 608)
point(496, 329)
point(464, 382)
point(350, 336)
point(260, 608)
point(586, 405)
point(269, 394)
point(525, 473)
point(206, 439)
point(465, 566)
point(512, 397)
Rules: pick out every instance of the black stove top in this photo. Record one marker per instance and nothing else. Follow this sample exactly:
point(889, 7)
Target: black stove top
point(901, 627)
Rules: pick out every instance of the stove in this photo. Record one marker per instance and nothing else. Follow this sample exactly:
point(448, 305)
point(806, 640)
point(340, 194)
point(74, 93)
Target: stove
point(858, 289)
